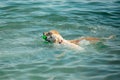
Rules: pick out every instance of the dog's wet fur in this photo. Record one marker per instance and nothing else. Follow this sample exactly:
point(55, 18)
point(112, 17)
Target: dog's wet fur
point(55, 37)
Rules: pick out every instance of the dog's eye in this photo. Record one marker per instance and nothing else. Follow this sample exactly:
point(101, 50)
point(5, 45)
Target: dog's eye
point(49, 33)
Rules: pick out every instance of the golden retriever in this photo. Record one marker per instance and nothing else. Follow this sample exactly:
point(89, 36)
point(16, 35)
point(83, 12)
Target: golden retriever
point(54, 37)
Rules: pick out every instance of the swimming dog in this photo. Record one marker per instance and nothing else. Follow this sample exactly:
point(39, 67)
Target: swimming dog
point(54, 36)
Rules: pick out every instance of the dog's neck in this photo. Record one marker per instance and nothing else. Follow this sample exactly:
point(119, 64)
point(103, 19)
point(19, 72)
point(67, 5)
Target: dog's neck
point(62, 41)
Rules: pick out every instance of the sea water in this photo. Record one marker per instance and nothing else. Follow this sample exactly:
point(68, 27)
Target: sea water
point(25, 56)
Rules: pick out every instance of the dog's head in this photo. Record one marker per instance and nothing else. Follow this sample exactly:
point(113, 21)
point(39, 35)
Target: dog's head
point(53, 36)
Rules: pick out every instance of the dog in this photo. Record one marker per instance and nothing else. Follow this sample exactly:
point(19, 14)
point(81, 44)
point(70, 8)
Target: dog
point(53, 36)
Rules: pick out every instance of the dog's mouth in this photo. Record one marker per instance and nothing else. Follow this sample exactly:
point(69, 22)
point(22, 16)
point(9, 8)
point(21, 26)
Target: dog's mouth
point(45, 38)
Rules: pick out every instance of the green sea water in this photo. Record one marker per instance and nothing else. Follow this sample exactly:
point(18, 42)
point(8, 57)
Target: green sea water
point(25, 56)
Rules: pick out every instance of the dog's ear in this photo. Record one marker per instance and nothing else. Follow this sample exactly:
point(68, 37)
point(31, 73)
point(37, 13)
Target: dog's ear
point(49, 33)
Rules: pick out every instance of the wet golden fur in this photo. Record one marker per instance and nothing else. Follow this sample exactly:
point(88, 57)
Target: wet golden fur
point(75, 41)
point(55, 37)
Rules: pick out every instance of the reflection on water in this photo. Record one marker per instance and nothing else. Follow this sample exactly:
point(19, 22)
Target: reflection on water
point(25, 56)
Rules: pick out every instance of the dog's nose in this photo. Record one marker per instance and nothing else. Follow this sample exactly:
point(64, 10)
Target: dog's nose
point(43, 33)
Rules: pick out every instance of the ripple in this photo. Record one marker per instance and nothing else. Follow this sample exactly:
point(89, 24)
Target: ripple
point(25, 56)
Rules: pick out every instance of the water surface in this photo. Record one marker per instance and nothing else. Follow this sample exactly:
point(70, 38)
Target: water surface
point(25, 56)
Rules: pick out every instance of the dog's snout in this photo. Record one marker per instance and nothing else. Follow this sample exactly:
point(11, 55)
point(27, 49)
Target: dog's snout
point(43, 33)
